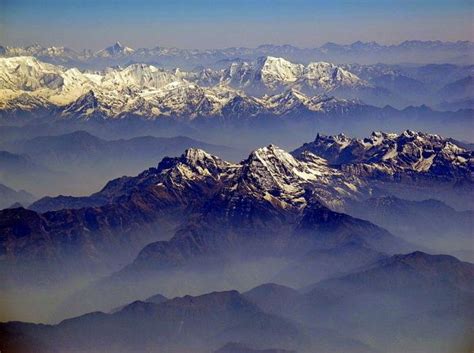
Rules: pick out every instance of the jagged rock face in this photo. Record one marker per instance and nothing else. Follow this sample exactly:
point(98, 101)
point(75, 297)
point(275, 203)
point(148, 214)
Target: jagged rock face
point(243, 108)
point(85, 105)
point(144, 90)
point(136, 211)
point(269, 204)
point(410, 154)
point(276, 176)
point(25, 102)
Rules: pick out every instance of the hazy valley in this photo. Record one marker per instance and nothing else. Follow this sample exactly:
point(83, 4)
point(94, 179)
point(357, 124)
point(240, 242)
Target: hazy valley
point(244, 200)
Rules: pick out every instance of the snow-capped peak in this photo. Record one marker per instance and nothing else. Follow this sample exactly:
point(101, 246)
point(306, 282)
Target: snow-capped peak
point(116, 49)
point(28, 74)
point(278, 70)
point(272, 74)
point(193, 164)
point(197, 155)
point(85, 105)
point(276, 175)
point(271, 156)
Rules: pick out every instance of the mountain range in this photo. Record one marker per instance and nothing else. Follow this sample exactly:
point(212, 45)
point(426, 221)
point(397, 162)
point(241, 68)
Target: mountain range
point(243, 90)
point(362, 52)
point(81, 156)
point(430, 220)
point(264, 190)
point(150, 92)
point(407, 302)
point(266, 199)
point(419, 161)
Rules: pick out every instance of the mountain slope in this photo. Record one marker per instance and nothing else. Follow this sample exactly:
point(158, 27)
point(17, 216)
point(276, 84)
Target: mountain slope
point(190, 323)
point(8, 197)
point(430, 223)
point(416, 293)
point(458, 90)
point(200, 323)
point(410, 302)
point(20, 171)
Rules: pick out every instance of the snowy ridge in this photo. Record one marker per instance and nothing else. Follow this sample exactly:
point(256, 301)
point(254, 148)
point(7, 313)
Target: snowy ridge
point(269, 175)
point(151, 92)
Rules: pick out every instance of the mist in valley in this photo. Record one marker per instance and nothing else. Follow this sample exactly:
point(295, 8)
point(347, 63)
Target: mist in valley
point(267, 199)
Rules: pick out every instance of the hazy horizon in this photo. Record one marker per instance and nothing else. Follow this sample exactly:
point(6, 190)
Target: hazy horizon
point(126, 44)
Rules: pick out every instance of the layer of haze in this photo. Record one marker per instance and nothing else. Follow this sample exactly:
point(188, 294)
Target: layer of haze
point(221, 23)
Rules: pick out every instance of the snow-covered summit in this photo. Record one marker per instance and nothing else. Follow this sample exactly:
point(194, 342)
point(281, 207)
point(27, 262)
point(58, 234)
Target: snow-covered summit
point(26, 73)
point(275, 71)
point(116, 49)
point(327, 77)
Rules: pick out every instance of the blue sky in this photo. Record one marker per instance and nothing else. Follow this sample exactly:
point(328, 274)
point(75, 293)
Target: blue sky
point(221, 23)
